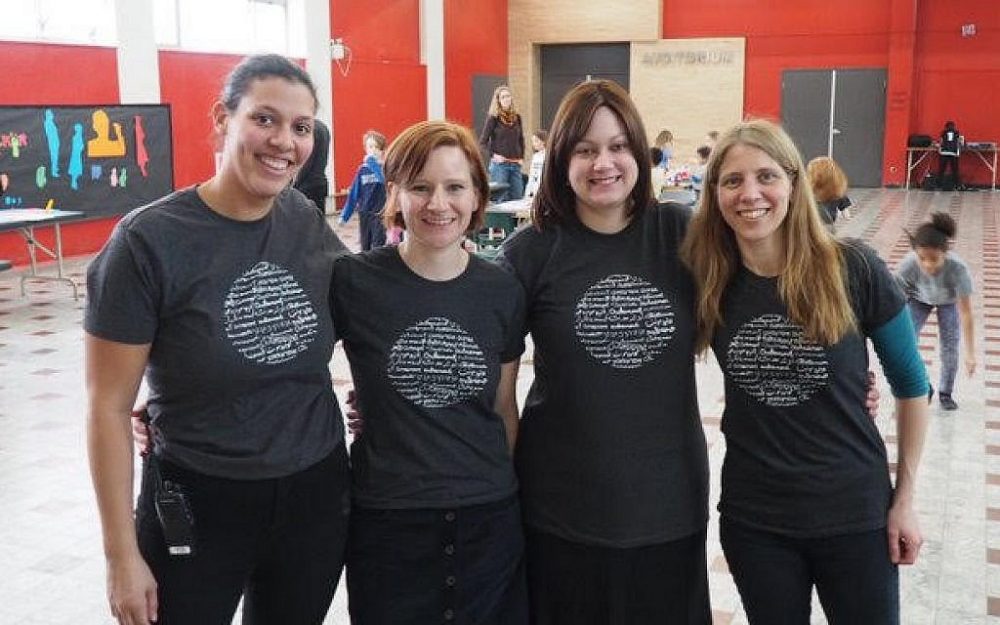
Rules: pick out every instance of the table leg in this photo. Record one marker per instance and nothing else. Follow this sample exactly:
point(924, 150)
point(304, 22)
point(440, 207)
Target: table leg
point(909, 167)
point(29, 234)
point(994, 188)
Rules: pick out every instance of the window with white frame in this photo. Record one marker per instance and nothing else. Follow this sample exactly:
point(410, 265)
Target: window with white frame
point(234, 26)
point(63, 21)
point(238, 26)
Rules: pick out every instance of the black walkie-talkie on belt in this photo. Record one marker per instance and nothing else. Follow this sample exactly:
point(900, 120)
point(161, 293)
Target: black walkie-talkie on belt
point(172, 509)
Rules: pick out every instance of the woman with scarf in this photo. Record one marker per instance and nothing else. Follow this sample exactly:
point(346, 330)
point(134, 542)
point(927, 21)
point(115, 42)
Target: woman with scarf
point(503, 139)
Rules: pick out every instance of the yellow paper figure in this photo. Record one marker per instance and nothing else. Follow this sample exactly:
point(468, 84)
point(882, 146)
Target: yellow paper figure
point(104, 145)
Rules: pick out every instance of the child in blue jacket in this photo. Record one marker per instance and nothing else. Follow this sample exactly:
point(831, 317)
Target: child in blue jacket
point(367, 193)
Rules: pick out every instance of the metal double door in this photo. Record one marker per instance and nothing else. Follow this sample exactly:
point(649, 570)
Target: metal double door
point(838, 113)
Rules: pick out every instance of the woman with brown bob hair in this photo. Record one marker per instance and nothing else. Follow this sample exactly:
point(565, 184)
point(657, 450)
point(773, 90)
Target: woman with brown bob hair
point(433, 337)
point(556, 199)
point(411, 155)
point(807, 498)
point(611, 455)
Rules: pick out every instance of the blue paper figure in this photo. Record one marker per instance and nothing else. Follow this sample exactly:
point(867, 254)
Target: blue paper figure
point(52, 136)
point(76, 156)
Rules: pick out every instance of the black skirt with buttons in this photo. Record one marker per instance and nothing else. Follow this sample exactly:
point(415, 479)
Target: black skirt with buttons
point(458, 566)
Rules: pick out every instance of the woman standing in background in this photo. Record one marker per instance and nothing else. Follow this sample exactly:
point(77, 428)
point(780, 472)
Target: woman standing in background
point(503, 140)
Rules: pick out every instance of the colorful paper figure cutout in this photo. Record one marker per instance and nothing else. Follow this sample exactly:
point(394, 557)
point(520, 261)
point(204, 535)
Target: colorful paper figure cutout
point(122, 177)
point(95, 172)
point(13, 141)
point(113, 178)
point(4, 182)
point(141, 155)
point(75, 169)
point(104, 145)
point(40, 178)
point(52, 136)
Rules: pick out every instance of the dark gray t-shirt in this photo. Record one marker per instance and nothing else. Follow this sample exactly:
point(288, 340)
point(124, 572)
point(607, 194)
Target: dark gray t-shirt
point(238, 317)
point(952, 281)
point(425, 357)
point(803, 456)
point(611, 450)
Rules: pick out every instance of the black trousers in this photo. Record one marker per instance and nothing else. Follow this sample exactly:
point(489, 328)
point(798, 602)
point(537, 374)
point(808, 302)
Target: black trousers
point(775, 575)
point(576, 584)
point(277, 542)
point(371, 230)
point(945, 163)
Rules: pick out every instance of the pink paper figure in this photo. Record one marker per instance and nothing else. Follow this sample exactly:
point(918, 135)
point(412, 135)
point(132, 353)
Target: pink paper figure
point(141, 155)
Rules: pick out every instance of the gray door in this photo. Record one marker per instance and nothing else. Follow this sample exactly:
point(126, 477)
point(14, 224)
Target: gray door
point(563, 66)
point(805, 110)
point(859, 124)
point(838, 113)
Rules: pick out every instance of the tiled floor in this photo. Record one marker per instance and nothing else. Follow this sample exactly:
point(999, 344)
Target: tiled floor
point(51, 566)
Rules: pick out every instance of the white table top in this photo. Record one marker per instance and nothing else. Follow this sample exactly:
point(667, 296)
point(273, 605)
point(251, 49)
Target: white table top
point(28, 216)
point(511, 207)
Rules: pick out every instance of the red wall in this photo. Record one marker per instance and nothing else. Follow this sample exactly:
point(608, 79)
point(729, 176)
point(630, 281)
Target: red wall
point(958, 78)
point(386, 86)
point(934, 73)
point(940, 76)
point(803, 35)
point(191, 83)
point(58, 74)
point(468, 51)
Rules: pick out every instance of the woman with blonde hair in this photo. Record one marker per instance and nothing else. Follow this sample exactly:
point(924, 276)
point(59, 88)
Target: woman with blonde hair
point(503, 139)
point(829, 186)
point(807, 498)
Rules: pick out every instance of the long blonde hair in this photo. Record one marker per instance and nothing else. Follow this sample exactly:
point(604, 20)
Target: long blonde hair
point(812, 283)
point(507, 115)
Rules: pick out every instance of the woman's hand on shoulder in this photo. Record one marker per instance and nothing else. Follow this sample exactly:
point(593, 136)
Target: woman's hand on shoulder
point(140, 429)
point(355, 420)
point(873, 396)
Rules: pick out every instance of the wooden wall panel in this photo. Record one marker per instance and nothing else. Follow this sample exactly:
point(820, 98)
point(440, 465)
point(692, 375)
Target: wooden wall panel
point(531, 23)
point(688, 86)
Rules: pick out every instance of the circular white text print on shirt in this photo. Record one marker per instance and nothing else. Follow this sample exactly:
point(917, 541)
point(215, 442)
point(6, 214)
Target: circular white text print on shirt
point(770, 359)
point(269, 319)
point(436, 363)
point(624, 322)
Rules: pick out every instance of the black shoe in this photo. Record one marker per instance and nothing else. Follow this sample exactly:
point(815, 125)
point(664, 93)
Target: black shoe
point(947, 403)
point(930, 393)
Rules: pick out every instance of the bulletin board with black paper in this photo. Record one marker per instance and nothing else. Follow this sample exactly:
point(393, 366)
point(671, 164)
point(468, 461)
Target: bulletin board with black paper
point(102, 160)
